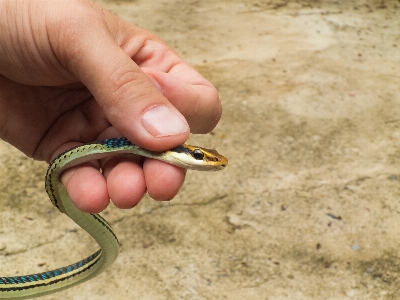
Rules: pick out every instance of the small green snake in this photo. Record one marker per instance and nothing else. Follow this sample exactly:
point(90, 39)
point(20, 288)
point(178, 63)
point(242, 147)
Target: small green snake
point(34, 285)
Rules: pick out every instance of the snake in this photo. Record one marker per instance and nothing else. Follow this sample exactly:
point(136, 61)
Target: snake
point(39, 284)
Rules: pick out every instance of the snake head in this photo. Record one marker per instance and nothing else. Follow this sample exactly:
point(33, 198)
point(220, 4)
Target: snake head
point(198, 158)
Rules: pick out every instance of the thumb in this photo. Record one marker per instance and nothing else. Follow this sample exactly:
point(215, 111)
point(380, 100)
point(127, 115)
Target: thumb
point(129, 99)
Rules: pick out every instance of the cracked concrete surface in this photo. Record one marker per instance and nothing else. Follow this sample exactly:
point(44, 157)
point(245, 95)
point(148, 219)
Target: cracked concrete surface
point(308, 207)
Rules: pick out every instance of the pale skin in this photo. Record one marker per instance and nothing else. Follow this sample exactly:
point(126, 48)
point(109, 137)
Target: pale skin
point(71, 73)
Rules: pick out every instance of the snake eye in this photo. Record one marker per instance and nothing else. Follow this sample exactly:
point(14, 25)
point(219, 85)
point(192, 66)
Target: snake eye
point(198, 154)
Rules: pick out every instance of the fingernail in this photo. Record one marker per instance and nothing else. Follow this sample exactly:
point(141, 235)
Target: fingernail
point(161, 121)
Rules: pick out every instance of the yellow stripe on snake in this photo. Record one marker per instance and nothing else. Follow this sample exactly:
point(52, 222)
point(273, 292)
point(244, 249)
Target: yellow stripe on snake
point(34, 285)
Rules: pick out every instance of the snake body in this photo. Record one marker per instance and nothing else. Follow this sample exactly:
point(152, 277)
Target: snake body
point(39, 284)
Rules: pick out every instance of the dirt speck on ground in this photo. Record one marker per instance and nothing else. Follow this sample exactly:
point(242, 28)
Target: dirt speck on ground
point(308, 207)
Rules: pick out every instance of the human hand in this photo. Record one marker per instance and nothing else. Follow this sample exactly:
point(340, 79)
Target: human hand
point(72, 73)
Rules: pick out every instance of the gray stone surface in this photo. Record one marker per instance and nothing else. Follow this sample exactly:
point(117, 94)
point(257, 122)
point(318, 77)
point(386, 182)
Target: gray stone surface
point(308, 207)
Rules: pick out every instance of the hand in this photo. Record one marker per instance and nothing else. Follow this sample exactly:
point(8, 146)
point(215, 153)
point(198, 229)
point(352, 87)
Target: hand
point(72, 73)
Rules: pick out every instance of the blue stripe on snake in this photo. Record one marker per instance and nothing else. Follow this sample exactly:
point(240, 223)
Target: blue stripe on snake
point(7, 281)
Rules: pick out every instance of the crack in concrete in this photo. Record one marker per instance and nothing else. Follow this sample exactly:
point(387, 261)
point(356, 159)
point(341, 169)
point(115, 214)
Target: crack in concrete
point(150, 211)
point(11, 253)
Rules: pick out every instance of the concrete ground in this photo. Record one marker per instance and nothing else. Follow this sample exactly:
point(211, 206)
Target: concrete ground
point(309, 206)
